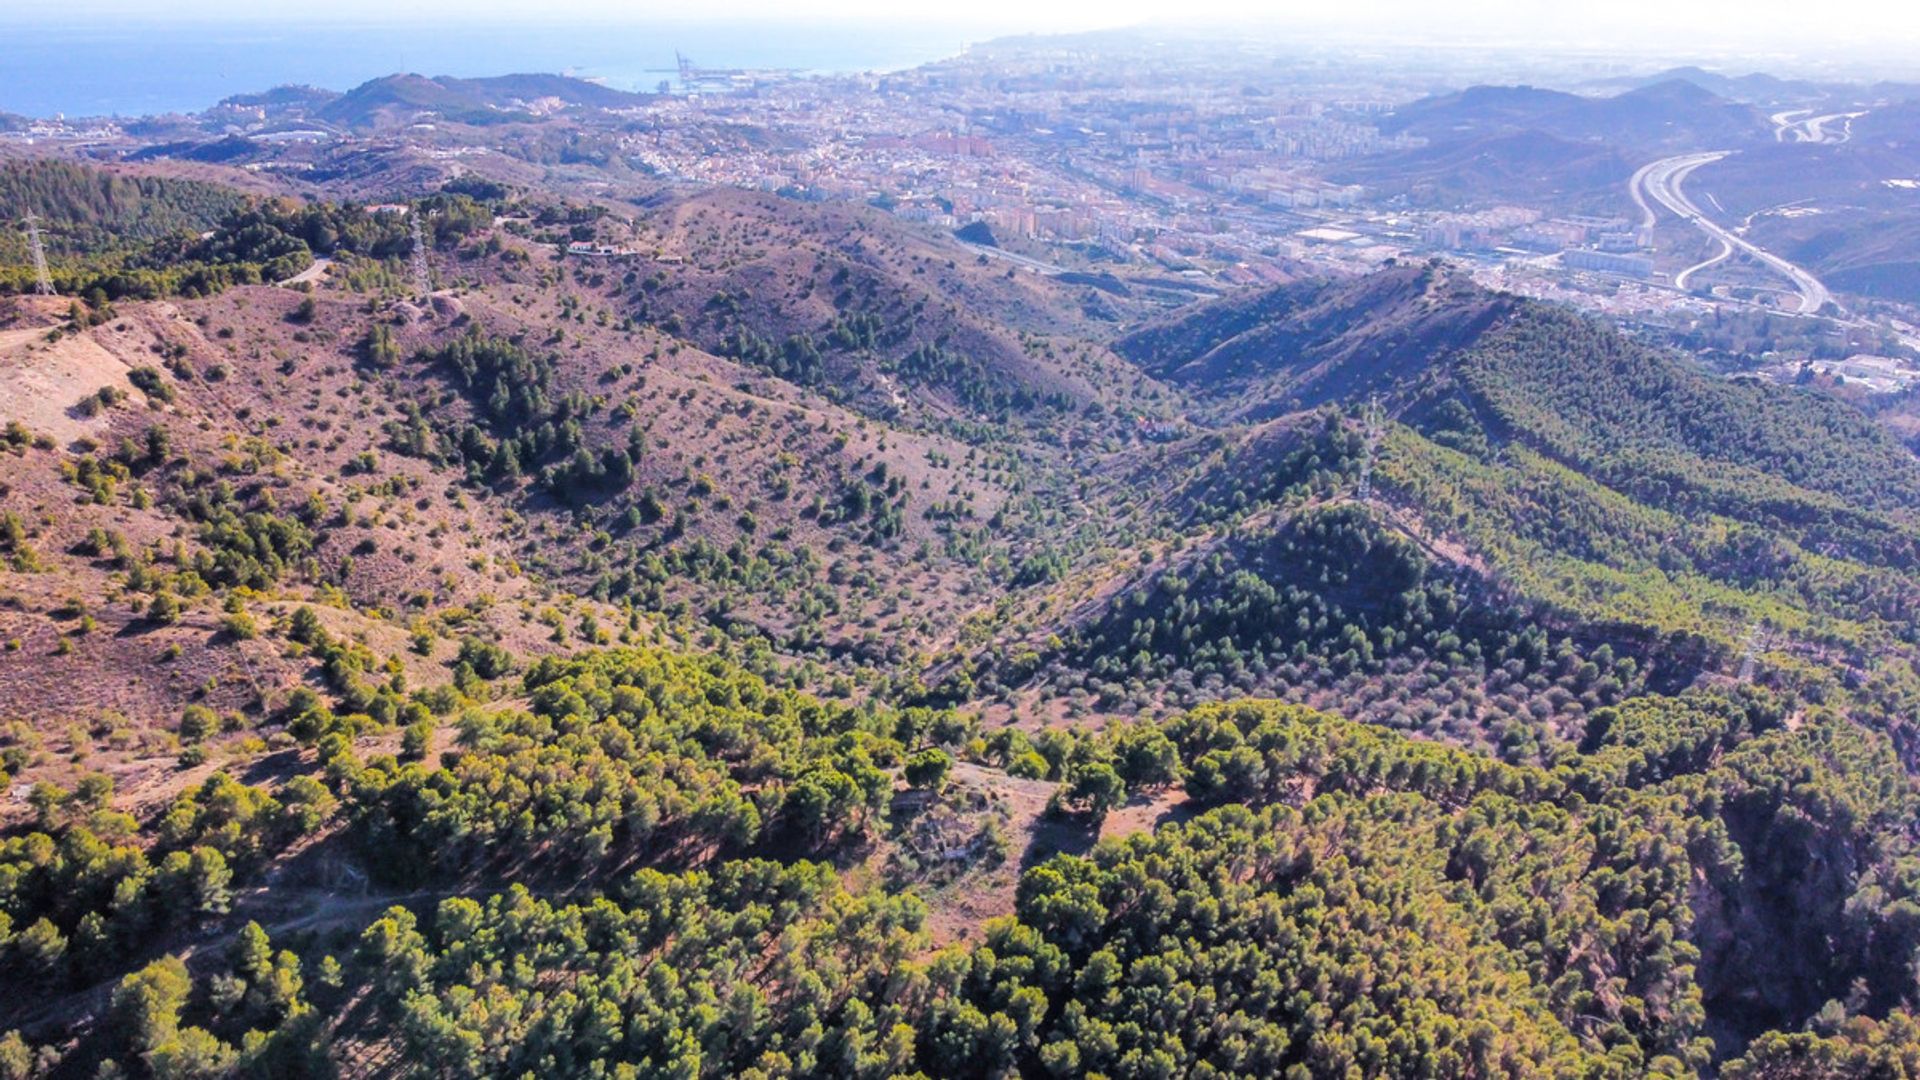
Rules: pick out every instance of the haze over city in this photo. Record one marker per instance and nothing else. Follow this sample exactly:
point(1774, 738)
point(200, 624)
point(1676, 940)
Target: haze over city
point(1705, 25)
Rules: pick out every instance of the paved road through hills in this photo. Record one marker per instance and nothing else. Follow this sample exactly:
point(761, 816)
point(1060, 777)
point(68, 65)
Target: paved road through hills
point(312, 273)
point(1801, 125)
point(1663, 182)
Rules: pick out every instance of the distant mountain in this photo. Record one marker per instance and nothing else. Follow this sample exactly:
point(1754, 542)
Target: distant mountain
point(1671, 113)
point(1478, 108)
point(1756, 87)
point(283, 98)
point(1675, 108)
point(1893, 91)
point(1506, 165)
point(398, 99)
point(1895, 126)
point(509, 89)
point(1760, 88)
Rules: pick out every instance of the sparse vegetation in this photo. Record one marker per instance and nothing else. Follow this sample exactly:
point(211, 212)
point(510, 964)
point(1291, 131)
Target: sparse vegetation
point(814, 654)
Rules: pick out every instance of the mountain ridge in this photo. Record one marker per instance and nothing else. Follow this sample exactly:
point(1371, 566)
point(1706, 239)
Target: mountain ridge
point(718, 633)
point(1670, 114)
point(395, 100)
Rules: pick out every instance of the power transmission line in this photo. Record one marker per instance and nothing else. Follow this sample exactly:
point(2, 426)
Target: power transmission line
point(43, 282)
point(422, 274)
point(1365, 491)
point(1750, 652)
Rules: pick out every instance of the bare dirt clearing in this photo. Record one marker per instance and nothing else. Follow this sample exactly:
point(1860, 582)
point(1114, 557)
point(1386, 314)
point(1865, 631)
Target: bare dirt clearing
point(42, 381)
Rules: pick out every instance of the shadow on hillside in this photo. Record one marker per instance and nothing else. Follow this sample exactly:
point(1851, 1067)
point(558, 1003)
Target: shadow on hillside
point(277, 767)
point(1057, 836)
point(1151, 811)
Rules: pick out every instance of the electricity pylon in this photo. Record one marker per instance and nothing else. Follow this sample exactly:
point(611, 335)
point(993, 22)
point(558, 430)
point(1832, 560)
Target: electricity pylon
point(1750, 653)
point(43, 282)
point(422, 277)
point(1365, 491)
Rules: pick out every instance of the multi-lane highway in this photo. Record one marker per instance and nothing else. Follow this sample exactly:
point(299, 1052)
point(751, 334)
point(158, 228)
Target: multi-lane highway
point(1800, 125)
point(1786, 126)
point(1662, 183)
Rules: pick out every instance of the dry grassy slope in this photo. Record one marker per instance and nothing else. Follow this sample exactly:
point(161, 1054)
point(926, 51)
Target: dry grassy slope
point(763, 446)
point(279, 408)
point(426, 552)
point(795, 267)
point(755, 445)
point(428, 549)
point(379, 171)
point(769, 446)
point(40, 380)
point(275, 404)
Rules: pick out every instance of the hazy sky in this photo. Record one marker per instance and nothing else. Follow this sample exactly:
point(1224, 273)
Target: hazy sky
point(1711, 26)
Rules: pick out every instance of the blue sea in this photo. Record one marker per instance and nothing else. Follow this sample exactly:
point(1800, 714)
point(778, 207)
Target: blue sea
point(134, 68)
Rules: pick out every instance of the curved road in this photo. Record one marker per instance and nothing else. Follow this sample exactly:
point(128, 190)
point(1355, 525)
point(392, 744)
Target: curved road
point(1817, 127)
point(1786, 124)
point(1663, 181)
point(312, 273)
point(1801, 125)
point(1636, 188)
point(1680, 279)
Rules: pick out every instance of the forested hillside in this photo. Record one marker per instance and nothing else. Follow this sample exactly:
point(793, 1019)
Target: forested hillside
point(1527, 519)
point(115, 236)
point(86, 210)
point(1309, 342)
point(1345, 899)
point(725, 636)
